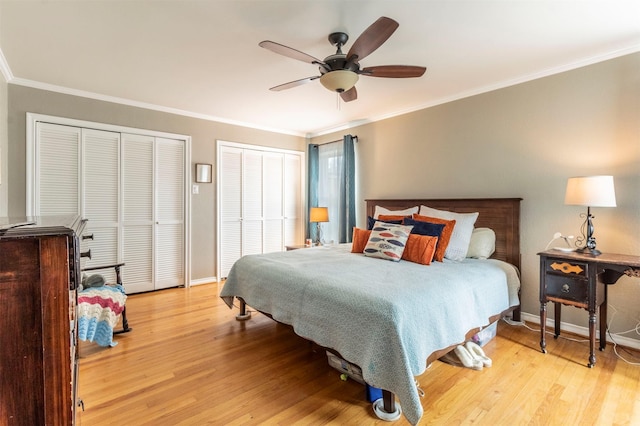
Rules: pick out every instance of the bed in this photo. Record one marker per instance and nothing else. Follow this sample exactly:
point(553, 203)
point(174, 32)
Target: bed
point(391, 319)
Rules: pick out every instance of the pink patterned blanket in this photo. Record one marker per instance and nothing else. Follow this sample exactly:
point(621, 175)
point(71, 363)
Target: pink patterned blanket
point(99, 310)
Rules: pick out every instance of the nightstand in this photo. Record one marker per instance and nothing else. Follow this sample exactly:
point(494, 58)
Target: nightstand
point(581, 280)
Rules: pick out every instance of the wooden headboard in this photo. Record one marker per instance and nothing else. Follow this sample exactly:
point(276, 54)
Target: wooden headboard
point(500, 214)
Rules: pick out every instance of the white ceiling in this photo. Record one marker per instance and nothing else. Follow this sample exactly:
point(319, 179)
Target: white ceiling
point(202, 58)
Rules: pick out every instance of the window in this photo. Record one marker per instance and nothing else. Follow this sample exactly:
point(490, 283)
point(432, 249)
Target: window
point(330, 172)
point(332, 185)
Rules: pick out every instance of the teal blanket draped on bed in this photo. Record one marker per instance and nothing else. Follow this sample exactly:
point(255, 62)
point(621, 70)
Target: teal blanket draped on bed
point(387, 317)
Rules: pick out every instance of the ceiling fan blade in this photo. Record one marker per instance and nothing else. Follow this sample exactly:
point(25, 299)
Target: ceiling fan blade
point(289, 52)
point(372, 38)
point(393, 71)
point(294, 83)
point(349, 95)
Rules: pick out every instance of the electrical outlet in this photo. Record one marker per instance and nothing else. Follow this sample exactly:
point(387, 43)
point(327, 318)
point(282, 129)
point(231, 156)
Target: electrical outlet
point(196, 189)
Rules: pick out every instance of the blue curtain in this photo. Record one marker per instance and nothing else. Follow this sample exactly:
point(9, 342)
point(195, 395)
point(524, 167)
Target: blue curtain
point(348, 191)
point(345, 194)
point(312, 190)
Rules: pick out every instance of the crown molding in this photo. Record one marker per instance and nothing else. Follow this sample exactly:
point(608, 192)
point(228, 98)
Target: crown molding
point(4, 68)
point(485, 89)
point(9, 78)
point(129, 102)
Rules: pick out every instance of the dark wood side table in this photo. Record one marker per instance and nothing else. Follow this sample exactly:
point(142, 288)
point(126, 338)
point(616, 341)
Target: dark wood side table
point(571, 278)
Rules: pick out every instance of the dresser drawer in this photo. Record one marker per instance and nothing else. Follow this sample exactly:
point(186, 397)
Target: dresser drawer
point(567, 288)
point(564, 267)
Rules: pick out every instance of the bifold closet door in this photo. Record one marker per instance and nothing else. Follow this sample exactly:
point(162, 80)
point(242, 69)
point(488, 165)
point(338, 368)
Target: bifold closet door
point(169, 209)
point(293, 222)
point(100, 197)
point(153, 212)
point(252, 202)
point(273, 197)
point(77, 173)
point(137, 212)
point(131, 190)
point(57, 170)
point(259, 203)
point(230, 208)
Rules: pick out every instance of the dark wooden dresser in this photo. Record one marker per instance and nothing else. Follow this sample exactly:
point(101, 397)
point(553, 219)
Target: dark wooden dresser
point(39, 274)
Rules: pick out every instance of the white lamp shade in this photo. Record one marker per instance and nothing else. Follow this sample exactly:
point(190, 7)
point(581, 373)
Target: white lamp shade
point(339, 80)
point(590, 191)
point(319, 214)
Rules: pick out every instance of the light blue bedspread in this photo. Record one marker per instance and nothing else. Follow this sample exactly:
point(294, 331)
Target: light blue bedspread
point(386, 317)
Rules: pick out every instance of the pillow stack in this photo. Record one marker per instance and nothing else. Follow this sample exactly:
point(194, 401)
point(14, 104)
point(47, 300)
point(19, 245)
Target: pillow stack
point(431, 234)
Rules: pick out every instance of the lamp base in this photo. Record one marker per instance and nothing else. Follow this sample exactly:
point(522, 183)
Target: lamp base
point(587, 250)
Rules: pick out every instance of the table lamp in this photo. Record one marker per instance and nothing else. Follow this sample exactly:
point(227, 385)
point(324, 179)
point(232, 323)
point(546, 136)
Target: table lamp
point(318, 215)
point(590, 191)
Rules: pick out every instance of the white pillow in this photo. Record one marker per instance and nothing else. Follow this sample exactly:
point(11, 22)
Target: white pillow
point(461, 235)
point(406, 212)
point(483, 243)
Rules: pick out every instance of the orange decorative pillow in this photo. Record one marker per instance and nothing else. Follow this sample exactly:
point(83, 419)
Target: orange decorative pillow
point(360, 239)
point(443, 241)
point(420, 249)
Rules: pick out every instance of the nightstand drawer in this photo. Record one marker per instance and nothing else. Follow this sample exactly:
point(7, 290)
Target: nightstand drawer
point(559, 266)
point(566, 288)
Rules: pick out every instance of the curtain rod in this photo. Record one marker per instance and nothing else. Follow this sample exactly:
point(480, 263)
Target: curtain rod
point(355, 137)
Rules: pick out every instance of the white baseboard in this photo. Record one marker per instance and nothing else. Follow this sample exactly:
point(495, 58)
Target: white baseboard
point(581, 331)
point(199, 281)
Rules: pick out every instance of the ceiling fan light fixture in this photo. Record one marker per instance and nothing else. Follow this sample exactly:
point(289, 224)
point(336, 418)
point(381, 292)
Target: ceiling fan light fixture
point(339, 80)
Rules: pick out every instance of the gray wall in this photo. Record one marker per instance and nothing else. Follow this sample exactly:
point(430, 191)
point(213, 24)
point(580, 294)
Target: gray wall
point(203, 134)
point(524, 141)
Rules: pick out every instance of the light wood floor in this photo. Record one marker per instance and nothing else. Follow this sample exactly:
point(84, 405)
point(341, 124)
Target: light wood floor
point(189, 362)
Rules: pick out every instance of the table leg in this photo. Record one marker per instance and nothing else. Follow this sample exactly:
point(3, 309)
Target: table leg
point(557, 310)
point(543, 324)
point(603, 320)
point(592, 339)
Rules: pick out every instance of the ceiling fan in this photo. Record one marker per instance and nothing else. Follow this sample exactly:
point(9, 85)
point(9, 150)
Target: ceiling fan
point(339, 72)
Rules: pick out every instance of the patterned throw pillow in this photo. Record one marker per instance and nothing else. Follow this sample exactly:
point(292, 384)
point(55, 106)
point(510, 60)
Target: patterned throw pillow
point(387, 241)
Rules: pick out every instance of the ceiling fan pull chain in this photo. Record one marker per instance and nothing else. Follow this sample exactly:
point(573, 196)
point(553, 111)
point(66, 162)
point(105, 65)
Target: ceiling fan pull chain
point(338, 106)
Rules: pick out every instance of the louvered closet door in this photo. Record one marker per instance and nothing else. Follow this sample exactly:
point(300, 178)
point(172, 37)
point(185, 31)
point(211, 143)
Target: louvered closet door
point(252, 211)
point(230, 201)
point(292, 190)
point(130, 187)
point(259, 202)
point(273, 202)
point(137, 212)
point(57, 170)
point(100, 194)
point(169, 232)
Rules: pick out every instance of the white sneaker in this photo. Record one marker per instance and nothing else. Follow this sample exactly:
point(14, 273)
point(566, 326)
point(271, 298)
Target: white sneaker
point(467, 359)
point(478, 354)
